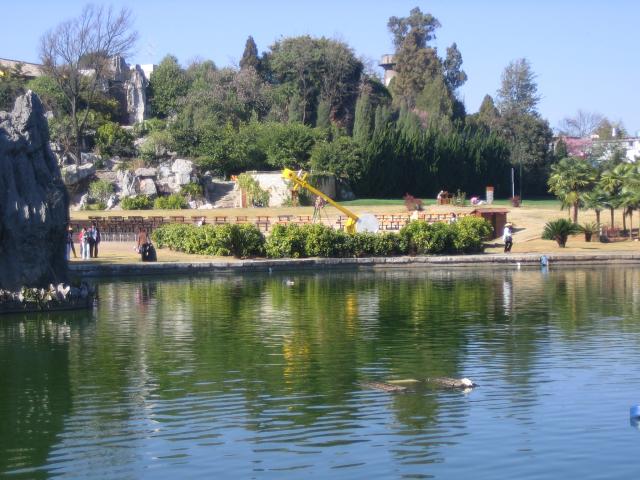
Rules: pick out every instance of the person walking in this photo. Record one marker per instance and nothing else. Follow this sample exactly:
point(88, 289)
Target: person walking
point(507, 237)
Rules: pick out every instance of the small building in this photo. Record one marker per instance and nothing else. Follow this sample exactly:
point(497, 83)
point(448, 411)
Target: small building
point(497, 217)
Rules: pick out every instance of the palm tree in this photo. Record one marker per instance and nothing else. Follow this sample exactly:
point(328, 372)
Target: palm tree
point(595, 200)
point(630, 194)
point(569, 178)
point(612, 182)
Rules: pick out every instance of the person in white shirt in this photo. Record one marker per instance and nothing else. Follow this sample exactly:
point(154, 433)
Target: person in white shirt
point(507, 237)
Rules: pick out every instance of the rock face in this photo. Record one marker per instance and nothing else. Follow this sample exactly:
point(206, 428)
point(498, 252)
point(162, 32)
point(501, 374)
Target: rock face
point(135, 89)
point(34, 204)
point(74, 174)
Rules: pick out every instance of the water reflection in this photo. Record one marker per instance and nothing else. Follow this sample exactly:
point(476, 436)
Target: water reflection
point(249, 374)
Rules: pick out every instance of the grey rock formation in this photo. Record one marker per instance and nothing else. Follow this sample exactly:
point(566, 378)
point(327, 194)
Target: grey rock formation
point(127, 183)
point(34, 204)
point(146, 172)
point(135, 90)
point(148, 187)
point(182, 170)
point(74, 174)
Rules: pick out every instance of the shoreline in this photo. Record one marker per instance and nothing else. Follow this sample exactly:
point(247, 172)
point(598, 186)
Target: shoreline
point(266, 265)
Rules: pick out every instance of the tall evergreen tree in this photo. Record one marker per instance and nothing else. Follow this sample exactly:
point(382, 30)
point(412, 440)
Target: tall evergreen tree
point(250, 55)
point(364, 121)
point(167, 84)
point(416, 61)
point(518, 93)
point(453, 73)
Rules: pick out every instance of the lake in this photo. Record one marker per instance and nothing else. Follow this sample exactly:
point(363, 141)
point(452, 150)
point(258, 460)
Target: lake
point(262, 376)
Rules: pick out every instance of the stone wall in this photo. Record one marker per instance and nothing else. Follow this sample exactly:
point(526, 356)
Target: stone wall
point(34, 205)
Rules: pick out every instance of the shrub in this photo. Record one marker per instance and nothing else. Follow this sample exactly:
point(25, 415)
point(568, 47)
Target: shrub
point(559, 230)
point(193, 189)
point(286, 241)
point(324, 241)
point(221, 240)
point(140, 202)
point(112, 139)
point(175, 201)
point(469, 234)
point(419, 237)
point(589, 229)
point(101, 190)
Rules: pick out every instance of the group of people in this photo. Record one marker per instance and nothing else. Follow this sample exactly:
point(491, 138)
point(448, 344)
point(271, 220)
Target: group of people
point(89, 239)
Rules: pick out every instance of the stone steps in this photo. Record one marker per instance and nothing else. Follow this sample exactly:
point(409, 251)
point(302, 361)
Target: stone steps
point(224, 195)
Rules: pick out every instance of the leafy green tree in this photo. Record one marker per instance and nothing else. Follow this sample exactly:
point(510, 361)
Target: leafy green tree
point(318, 68)
point(287, 145)
point(50, 93)
point(518, 93)
point(101, 190)
point(596, 200)
point(569, 179)
point(342, 157)
point(112, 139)
point(167, 84)
point(12, 82)
point(250, 57)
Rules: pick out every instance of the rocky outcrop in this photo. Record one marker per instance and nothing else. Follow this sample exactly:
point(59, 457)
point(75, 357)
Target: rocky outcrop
point(135, 89)
point(34, 204)
point(75, 174)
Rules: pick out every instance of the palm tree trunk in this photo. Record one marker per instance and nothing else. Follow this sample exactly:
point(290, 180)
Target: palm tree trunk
point(611, 209)
point(575, 212)
point(598, 217)
point(624, 220)
point(631, 224)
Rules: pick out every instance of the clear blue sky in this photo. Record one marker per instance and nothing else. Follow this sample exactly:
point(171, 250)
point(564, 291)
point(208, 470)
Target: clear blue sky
point(585, 53)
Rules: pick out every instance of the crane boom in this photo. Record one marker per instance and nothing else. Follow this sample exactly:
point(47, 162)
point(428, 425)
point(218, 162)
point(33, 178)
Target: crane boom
point(299, 180)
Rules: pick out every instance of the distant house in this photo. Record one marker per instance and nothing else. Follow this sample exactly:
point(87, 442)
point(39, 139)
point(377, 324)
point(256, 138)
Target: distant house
point(29, 70)
point(585, 147)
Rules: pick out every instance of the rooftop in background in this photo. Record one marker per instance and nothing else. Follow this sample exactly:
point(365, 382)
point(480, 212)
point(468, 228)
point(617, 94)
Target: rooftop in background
point(30, 70)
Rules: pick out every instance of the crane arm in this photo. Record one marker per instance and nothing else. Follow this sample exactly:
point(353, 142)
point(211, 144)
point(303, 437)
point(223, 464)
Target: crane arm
point(301, 182)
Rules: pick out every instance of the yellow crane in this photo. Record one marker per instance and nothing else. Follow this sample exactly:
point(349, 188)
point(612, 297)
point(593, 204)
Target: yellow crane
point(355, 223)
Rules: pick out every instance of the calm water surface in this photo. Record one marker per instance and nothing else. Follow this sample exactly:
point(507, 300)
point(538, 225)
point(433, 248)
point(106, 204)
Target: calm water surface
point(249, 377)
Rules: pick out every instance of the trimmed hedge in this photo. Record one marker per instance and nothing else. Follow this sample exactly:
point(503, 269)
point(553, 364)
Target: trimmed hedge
point(295, 241)
point(241, 241)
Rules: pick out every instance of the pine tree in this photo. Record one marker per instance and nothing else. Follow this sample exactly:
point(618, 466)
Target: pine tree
point(363, 121)
point(250, 55)
point(323, 116)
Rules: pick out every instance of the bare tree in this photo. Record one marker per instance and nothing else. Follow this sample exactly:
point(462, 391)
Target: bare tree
point(582, 124)
point(77, 55)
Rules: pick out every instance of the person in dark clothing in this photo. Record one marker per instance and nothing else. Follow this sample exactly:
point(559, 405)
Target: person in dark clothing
point(70, 246)
point(95, 235)
point(145, 248)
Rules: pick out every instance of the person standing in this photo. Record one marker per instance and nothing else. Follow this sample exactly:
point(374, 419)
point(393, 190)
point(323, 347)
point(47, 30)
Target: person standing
point(70, 246)
point(507, 237)
point(453, 218)
point(84, 243)
point(95, 236)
